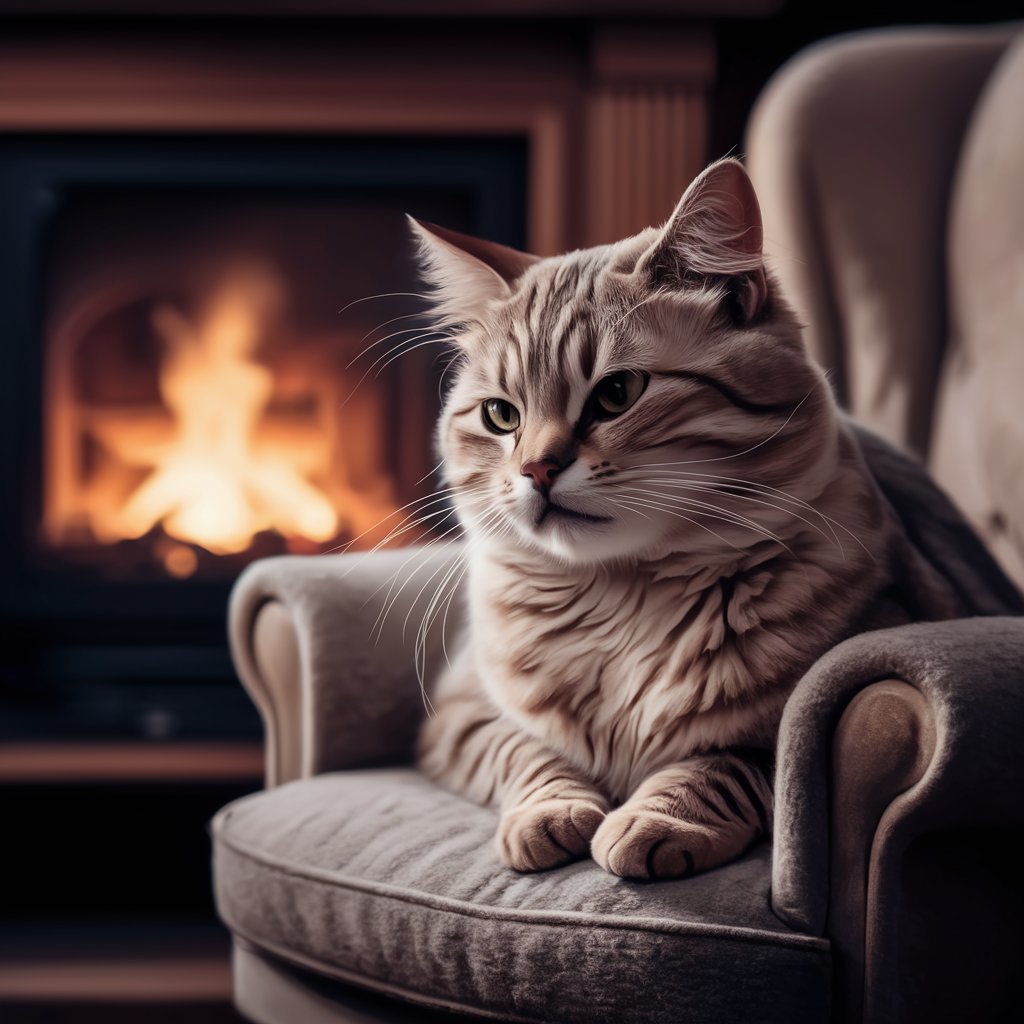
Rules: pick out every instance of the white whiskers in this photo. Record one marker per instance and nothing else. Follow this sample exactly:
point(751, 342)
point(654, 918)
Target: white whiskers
point(383, 295)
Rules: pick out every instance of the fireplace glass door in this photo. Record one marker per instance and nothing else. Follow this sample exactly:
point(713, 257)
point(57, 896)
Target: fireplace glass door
point(216, 350)
point(207, 399)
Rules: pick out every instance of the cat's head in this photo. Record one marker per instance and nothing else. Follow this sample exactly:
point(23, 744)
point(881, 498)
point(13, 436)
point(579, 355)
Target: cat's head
point(633, 399)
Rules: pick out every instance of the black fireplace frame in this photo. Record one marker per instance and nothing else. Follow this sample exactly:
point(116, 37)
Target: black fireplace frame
point(94, 658)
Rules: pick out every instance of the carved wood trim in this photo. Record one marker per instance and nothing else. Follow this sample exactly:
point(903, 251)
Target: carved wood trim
point(614, 132)
point(647, 126)
point(57, 90)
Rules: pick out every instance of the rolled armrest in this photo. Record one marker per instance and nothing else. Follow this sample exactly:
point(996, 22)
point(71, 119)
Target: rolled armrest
point(893, 736)
point(325, 646)
point(970, 674)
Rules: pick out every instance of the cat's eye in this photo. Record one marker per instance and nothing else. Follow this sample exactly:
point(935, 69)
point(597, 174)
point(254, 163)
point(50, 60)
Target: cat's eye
point(617, 392)
point(500, 417)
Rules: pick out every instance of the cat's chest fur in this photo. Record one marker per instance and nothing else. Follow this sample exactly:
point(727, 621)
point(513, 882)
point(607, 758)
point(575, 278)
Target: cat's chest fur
point(624, 672)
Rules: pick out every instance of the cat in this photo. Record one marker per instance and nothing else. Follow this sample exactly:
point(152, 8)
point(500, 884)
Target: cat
point(668, 521)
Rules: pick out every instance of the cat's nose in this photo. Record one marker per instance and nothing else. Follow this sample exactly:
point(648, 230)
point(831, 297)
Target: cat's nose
point(543, 472)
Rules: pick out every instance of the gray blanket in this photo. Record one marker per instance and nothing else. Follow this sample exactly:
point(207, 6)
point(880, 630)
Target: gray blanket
point(939, 539)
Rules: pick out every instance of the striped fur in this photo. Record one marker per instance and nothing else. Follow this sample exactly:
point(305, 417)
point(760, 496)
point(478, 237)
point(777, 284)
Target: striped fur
point(626, 663)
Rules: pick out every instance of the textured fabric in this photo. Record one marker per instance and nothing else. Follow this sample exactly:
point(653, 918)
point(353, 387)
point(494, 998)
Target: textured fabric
point(888, 167)
point(978, 452)
point(355, 617)
point(852, 149)
point(972, 673)
point(388, 880)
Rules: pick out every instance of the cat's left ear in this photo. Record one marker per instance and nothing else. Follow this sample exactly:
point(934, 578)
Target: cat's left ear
point(714, 233)
point(466, 273)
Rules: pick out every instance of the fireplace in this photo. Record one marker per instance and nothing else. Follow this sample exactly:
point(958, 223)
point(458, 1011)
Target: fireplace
point(217, 353)
point(186, 204)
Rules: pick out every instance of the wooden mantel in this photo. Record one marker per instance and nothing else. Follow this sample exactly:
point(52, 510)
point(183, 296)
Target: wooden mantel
point(615, 112)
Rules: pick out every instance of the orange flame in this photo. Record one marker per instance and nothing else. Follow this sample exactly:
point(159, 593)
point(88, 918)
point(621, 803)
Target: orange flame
point(209, 483)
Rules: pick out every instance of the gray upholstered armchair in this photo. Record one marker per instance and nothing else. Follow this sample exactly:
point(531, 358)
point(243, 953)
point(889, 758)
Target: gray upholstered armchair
point(889, 168)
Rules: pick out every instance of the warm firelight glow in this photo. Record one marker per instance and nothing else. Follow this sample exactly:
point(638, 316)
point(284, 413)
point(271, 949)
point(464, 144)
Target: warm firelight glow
point(179, 560)
point(209, 483)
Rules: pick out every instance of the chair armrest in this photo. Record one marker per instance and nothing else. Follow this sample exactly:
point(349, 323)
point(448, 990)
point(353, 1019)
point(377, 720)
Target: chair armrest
point(892, 736)
point(333, 693)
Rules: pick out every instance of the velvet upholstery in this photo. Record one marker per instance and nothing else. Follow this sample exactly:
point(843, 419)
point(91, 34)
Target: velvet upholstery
point(853, 148)
point(888, 165)
point(971, 675)
point(378, 875)
point(350, 698)
point(978, 706)
point(977, 451)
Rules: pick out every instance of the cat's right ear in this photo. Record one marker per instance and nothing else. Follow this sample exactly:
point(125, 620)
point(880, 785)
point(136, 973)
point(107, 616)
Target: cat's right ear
point(465, 274)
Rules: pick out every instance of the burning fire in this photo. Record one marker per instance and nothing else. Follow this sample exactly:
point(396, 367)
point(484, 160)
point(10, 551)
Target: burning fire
point(210, 483)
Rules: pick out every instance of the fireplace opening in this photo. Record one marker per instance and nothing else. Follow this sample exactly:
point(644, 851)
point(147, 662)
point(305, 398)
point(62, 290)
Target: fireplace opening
point(206, 400)
point(194, 376)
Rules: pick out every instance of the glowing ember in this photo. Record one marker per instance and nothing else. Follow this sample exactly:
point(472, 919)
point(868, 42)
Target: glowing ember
point(210, 483)
point(179, 561)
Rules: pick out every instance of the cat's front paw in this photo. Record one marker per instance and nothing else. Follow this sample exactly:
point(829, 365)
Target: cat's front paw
point(534, 837)
point(650, 845)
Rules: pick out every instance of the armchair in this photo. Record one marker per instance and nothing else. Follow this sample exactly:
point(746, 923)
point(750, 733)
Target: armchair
point(358, 891)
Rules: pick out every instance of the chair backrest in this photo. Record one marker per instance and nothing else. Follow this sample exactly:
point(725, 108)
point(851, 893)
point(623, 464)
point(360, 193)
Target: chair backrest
point(977, 450)
point(880, 160)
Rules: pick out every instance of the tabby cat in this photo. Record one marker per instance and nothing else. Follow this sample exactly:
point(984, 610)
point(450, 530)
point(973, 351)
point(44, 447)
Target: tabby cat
point(668, 521)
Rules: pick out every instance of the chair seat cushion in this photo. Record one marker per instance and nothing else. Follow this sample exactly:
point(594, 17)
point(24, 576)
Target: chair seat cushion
point(380, 878)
